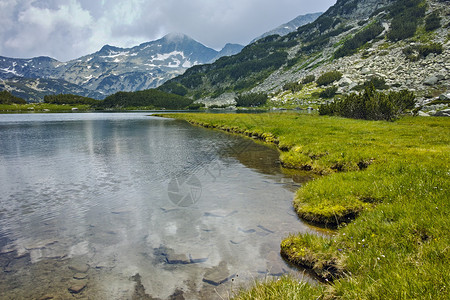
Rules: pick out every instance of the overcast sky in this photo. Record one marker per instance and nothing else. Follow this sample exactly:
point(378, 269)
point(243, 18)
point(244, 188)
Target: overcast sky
point(68, 29)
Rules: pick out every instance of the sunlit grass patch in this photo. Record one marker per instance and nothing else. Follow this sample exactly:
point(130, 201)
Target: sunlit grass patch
point(283, 288)
point(387, 189)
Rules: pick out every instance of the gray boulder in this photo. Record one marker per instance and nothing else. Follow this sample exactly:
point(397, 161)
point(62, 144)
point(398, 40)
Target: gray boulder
point(432, 80)
point(422, 114)
point(442, 113)
point(445, 96)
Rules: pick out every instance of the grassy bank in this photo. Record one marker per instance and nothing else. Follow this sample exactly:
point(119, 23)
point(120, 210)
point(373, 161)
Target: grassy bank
point(41, 107)
point(387, 190)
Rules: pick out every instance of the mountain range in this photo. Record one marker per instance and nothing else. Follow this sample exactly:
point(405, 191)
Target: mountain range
point(113, 69)
point(109, 70)
point(398, 44)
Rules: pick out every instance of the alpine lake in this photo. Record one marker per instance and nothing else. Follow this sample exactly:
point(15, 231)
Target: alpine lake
point(131, 206)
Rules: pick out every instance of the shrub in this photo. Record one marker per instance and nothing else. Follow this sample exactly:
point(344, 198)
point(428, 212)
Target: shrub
point(328, 92)
point(414, 53)
point(293, 87)
point(251, 99)
point(328, 77)
point(406, 15)
point(351, 45)
point(308, 79)
point(195, 106)
point(432, 22)
point(378, 82)
point(371, 105)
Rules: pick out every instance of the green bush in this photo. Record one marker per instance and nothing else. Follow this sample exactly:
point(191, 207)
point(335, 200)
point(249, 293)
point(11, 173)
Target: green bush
point(251, 99)
point(351, 45)
point(414, 53)
point(406, 15)
point(8, 98)
point(308, 79)
point(328, 77)
point(378, 82)
point(371, 105)
point(195, 106)
point(293, 87)
point(432, 22)
point(328, 92)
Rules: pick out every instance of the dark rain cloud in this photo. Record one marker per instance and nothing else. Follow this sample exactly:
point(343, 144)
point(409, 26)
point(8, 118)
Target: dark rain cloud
point(67, 29)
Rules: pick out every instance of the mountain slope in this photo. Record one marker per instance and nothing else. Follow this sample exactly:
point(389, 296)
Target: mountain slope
point(360, 38)
point(113, 69)
point(290, 26)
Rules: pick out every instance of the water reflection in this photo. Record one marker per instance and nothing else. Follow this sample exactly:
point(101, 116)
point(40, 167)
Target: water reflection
point(86, 203)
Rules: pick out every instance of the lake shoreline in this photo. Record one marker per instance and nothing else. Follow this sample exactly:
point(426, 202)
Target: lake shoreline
point(371, 173)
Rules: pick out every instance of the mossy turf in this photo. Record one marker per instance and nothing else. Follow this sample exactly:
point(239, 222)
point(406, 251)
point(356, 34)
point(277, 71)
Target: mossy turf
point(386, 189)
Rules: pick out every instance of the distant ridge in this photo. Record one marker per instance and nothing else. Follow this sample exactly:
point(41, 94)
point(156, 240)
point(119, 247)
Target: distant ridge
point(109, 70)
point(291, 25)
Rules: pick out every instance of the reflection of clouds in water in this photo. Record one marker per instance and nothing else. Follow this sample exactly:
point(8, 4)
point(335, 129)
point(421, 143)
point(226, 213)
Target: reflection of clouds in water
point(100, 194)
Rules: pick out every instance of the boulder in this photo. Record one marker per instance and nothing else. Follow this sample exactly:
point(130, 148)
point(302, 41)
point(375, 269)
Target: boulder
point(345, 81)
point(432, 80)
point(444, 96)
point(442, 113)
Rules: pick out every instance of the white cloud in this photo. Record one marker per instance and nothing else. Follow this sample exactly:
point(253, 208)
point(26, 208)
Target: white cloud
point(67, 29)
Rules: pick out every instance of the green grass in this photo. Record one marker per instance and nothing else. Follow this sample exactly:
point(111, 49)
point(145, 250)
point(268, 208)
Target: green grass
point(386, 189)
point(40, 107)
point(283, 288)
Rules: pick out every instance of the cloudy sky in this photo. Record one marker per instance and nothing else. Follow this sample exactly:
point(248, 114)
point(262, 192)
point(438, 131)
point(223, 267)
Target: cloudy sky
point(68, 29)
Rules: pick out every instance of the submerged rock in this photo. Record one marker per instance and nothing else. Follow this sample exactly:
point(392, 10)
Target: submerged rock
point(77, 287)
point(79, 267)
point(218, 275)
point(174, 258)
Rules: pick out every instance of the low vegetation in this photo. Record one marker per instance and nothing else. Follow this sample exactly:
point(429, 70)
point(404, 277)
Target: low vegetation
point(150, 99)
point(371, 105)
point(328, 78)
point(406, 16)
point(351, 45)
point(416, 52)
point(386, 189)
point(8, 98)
point(70, 99)
point(251, 99)
point(432, 22)
point(42, 107)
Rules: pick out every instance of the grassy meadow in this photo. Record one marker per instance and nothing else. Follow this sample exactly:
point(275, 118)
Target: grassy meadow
point(41, 107)
point(386, 190)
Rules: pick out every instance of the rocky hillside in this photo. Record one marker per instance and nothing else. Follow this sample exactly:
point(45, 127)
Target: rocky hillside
point(405, 44)
point(109, 70)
